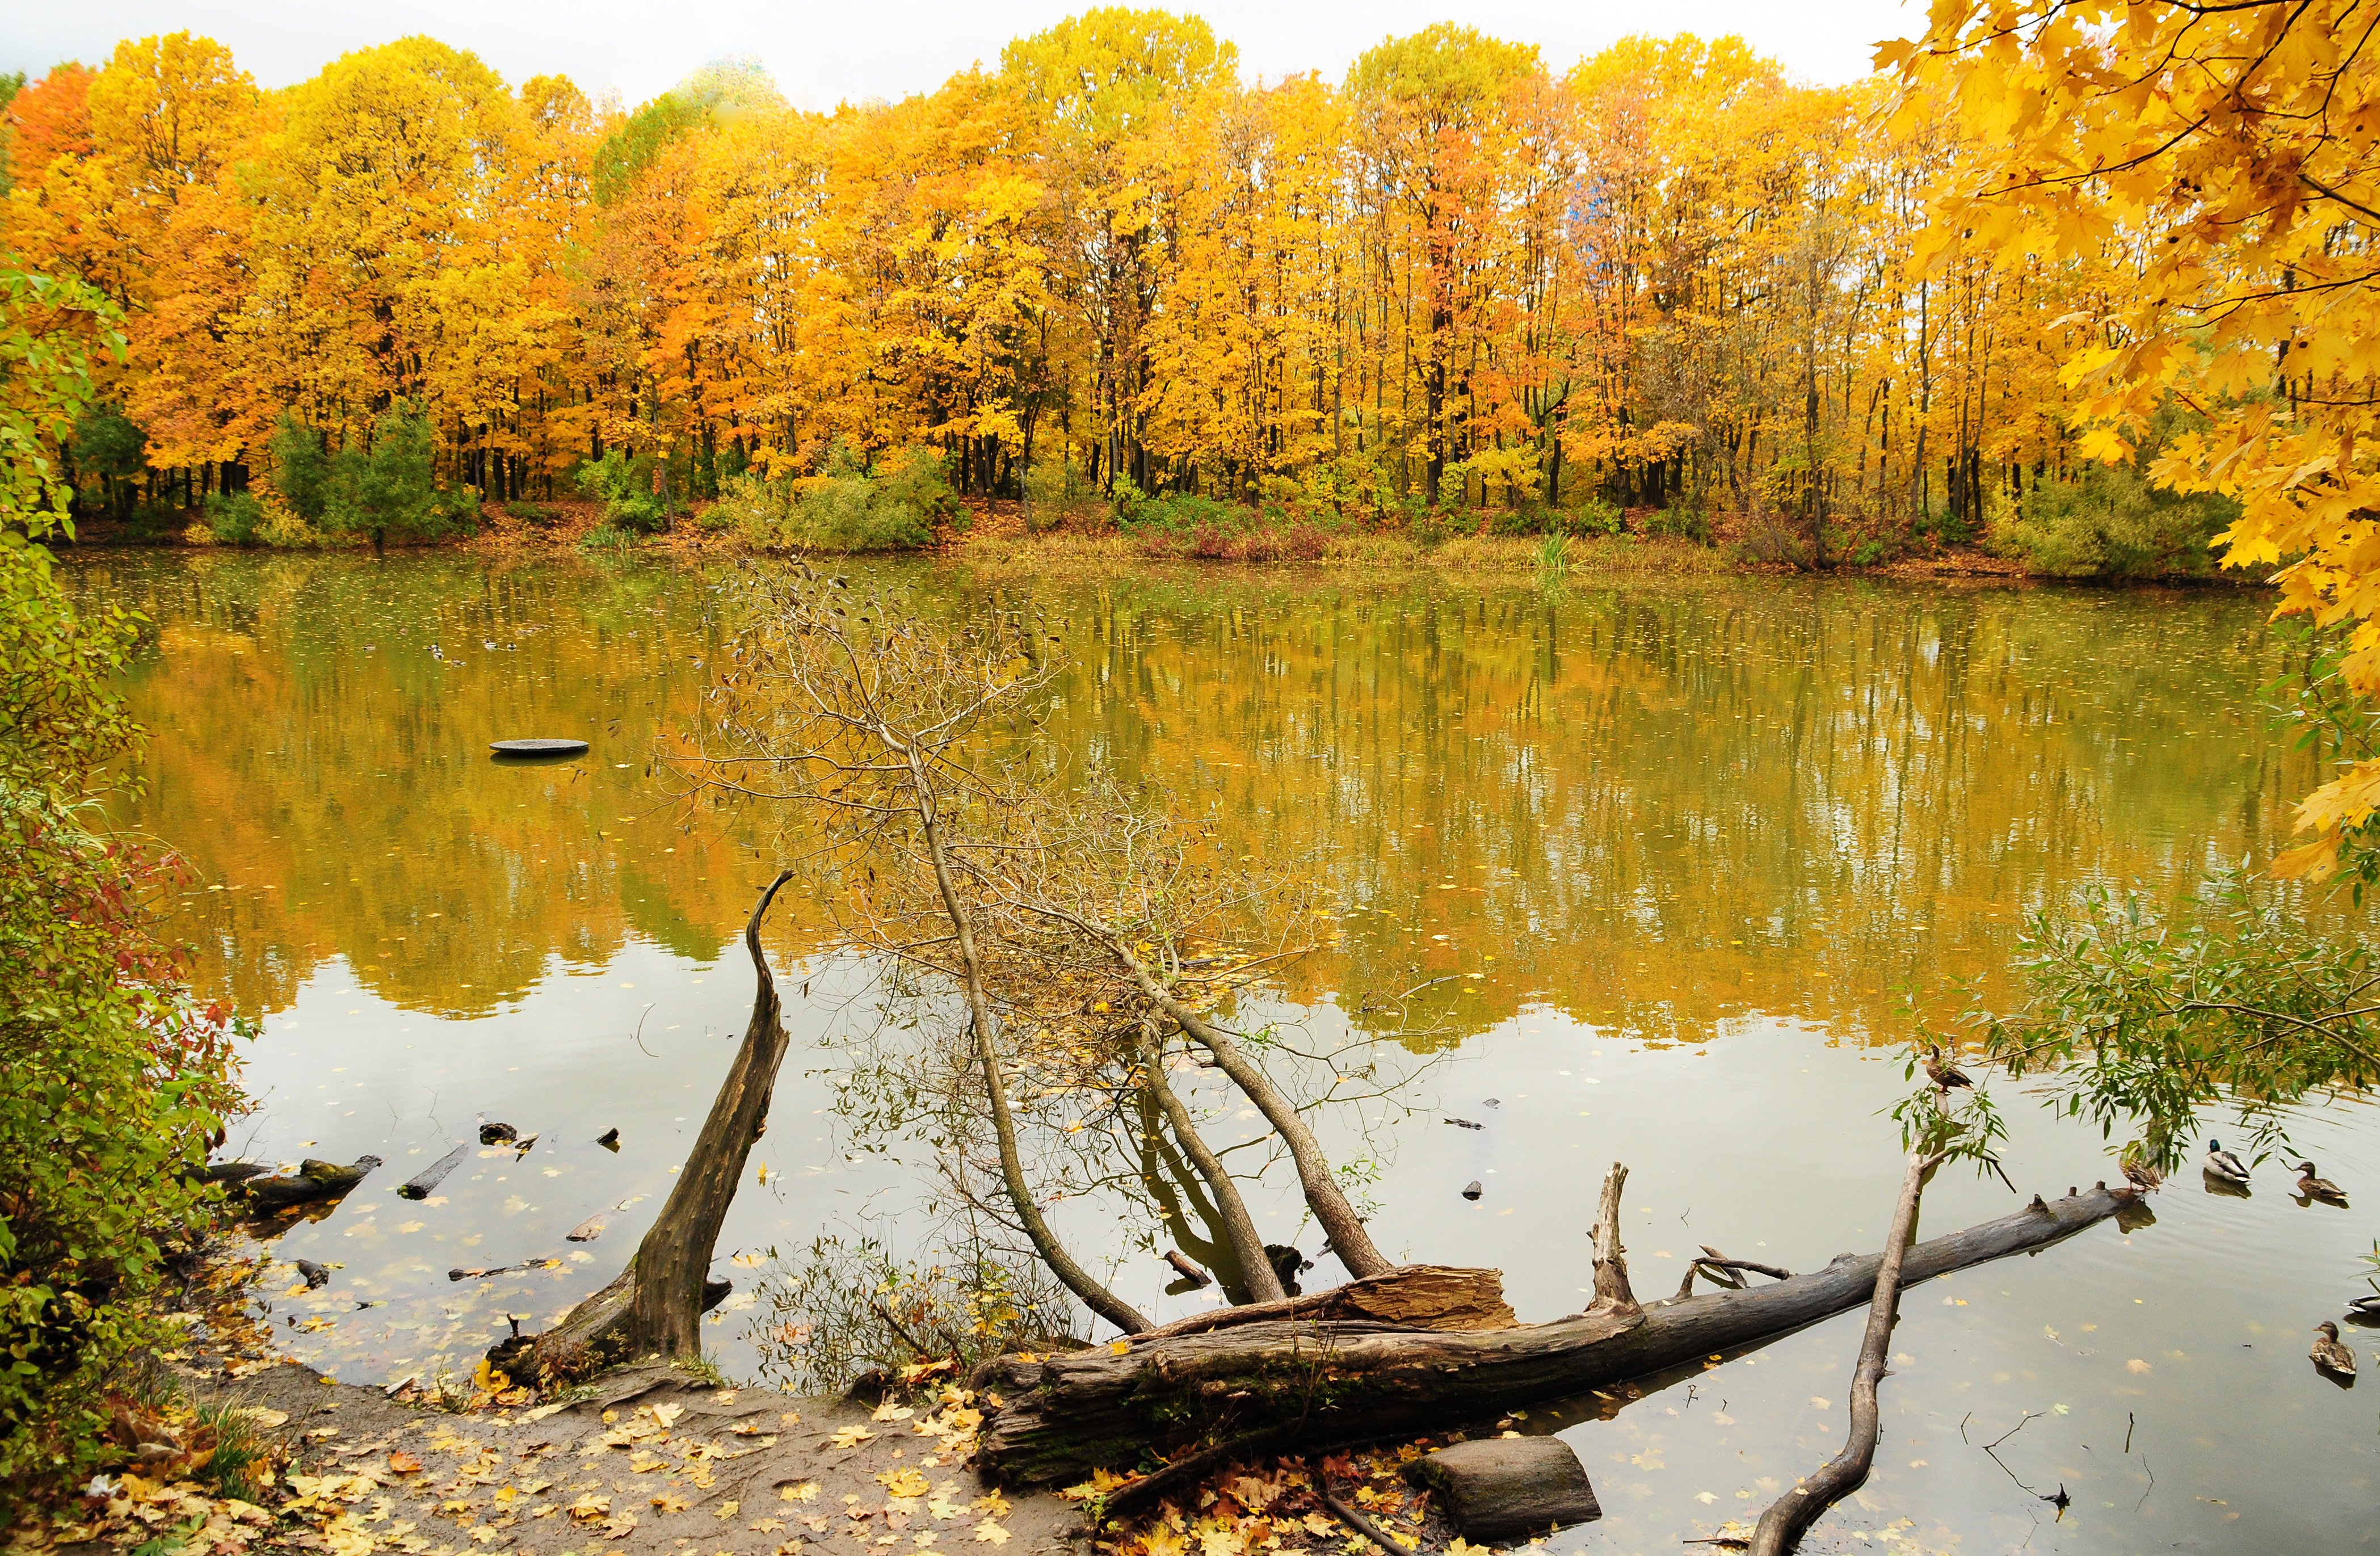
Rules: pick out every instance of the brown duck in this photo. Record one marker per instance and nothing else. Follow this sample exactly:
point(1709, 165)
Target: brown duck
point(2318, 1188)
point(2329, 1353)
point(1942, 1073)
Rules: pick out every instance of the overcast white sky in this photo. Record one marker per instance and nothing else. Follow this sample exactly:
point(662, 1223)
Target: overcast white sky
point(821, 54)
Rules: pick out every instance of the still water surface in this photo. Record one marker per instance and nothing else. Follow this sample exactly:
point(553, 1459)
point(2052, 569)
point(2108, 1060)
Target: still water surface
point(1700, 842)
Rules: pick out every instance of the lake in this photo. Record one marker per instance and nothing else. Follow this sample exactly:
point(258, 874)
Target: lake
point(1684, 856)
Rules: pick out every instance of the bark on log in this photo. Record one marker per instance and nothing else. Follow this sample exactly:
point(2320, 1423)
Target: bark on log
point(418, 1185)
point(1782, 1528)
point(1353, 1380)
point(665, 1310)
point(1509, 1487)
point(1416, 1296)
point(313, 1183)
point(1611, 1288)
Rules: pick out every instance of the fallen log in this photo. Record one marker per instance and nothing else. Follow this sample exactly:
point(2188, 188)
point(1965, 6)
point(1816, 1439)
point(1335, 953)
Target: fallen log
point(418, 1185)
point(313, 1183)
point(657, 1303)
point(1502, 1488)
point(1331, 1380)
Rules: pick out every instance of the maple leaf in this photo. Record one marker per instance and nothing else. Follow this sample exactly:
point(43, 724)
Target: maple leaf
point(990, 1533)
point(904, 1483)
point(669, 1502)
point(806, 1491)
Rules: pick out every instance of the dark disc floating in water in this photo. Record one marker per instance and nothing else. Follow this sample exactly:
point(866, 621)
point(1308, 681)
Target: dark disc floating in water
point(537, 747)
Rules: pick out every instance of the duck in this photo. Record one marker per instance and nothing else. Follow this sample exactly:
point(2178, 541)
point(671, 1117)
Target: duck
point(2364, 1308)
point(1943, 1074)
point(2330, 1353)
point(2139, 1170)
point(2318, 1188)
point(2224, 1164)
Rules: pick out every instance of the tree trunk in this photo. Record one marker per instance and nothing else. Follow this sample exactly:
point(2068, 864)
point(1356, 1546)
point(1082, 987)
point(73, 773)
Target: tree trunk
point(656, 1304)
point(1256, 1274)
point(1323, 1194)
point(1075, 1279)
point(1258, 1378)
point(1789, 1516)
point(666, 1313)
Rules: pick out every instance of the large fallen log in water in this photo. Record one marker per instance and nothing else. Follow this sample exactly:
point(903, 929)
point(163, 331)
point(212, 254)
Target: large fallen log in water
point(1316, 1380)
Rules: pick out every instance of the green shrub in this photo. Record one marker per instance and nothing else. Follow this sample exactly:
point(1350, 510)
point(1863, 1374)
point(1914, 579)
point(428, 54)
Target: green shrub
point(844, 507)
point(536, 515)
point(114, 1080)
point(385, 490)
point(1181, 511)
point(2109, 522)
point(1870, 553)
point(1681, 522)
point(1594, 517)
point(234, 517)
point(625, 487)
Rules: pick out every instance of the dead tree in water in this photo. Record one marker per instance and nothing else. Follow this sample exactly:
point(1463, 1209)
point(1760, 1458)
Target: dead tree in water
point(1414, 1350)
point(1053, 929)
point(655, 1305)
point(1791, 1515)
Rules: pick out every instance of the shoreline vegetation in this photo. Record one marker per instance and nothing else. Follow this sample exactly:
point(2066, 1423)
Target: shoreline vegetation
point(1465, 295)
point(1667, 310)
point(1010, 537)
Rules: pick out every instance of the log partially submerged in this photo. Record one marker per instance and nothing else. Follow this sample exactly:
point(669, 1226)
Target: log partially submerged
point(1255, 1380)
point(313, 1183)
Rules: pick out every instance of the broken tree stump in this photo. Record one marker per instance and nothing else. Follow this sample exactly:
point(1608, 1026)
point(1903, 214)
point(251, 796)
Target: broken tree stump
point(1323, 1378)
point(1509, 1487)
point(656, 1304)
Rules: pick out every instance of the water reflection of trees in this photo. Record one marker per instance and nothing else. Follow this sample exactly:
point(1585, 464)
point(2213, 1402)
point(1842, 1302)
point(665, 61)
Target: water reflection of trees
point(1656, 808)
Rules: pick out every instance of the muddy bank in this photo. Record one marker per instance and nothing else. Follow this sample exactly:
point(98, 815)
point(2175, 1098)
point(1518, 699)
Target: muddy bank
point(644, 1460)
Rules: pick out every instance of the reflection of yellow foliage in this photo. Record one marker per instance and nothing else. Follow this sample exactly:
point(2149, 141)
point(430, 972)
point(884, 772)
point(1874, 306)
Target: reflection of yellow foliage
point(1651, 813)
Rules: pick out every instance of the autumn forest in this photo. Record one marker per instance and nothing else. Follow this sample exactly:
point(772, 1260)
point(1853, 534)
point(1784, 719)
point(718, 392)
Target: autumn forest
point(1669, 278)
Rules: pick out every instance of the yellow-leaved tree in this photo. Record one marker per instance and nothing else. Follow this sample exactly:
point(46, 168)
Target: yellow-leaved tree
point(2222, 158)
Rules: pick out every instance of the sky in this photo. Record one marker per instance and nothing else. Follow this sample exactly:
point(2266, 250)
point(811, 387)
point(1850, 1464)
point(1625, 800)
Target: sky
point(821, 54)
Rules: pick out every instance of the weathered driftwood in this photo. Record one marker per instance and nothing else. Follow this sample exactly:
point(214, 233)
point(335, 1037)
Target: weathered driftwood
point(1417, 1296)
point(313, 1183)
point(1245, 1376)
point(656, 1304)
point(1782, 1528)
point(418, 1185)
point(1186, 1270)
point(1503, 1488)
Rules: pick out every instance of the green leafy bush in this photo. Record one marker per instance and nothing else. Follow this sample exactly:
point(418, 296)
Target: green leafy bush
point(625, 487)
point(114, 1080)
point(1681, 522)
point(1594, 517)
point(845, 507)
point(234, 517)
point(1181, 512)
point(2109, 522)
point(385, 490)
